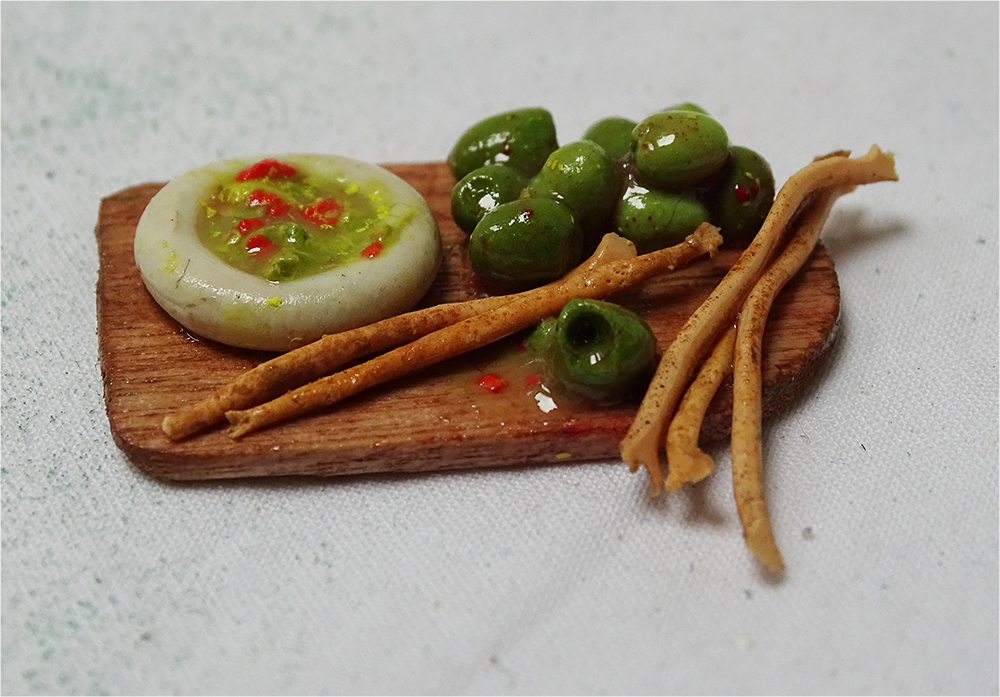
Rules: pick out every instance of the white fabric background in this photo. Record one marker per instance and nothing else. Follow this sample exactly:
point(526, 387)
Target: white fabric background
point(882, 478)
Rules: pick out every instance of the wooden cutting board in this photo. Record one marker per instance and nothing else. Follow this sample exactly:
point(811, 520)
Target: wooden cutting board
point(438, 419)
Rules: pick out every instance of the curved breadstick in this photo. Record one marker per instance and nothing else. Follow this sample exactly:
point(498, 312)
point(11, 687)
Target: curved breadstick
point(686, 462)
point(321, 357)
point(642, 443)
point(748, 485)
point(520, 313)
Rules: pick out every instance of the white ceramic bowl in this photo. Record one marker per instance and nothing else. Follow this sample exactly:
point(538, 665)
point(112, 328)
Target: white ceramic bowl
point(217, 301)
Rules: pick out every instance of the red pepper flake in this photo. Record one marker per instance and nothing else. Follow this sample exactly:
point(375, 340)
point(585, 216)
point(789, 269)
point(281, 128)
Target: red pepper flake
point(532, 380)
point(324, 212)
point(248, 225)
point(745, 196)
point(265, 169)
point(259, 245)
point(492, 383)
point(275, 205)
point(372, 250)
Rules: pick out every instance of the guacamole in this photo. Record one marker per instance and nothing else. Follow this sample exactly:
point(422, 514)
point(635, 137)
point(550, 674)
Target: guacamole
point(283, 223)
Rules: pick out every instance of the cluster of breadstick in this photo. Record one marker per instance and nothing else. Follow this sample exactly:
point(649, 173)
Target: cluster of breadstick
point(300, 381)
point(725, 334)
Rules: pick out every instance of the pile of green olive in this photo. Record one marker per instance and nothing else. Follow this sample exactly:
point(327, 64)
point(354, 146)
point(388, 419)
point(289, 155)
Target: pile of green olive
point(533, 208)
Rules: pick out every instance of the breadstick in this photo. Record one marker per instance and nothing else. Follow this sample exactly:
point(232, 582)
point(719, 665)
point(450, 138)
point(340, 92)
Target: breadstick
point(642, 443)
point(520, 313)
point(686, 462)
point(748, 485)
point(321, 357)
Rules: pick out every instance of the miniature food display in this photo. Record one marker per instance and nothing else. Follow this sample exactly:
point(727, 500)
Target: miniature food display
point(223, 245)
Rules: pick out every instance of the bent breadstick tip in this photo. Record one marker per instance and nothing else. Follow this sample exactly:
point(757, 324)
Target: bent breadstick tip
point(686, 462)
point(748, 483)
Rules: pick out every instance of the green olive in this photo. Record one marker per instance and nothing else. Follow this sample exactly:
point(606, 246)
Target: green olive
point(614, 134)
point(601, 350)
point(521, 139)
point(741, 200)
point(482, 190)
point(526, 243)
point(541, 338)
point(655, 219)
point(582, 176)
point(677, 150)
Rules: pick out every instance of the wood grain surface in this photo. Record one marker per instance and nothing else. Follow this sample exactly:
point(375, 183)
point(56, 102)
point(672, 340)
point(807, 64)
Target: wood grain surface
point(438, 419)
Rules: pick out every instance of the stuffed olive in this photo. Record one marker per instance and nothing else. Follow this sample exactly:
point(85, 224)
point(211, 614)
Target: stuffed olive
point(742, 198)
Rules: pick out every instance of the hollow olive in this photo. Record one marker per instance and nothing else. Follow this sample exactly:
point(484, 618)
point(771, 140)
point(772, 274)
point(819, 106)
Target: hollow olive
point(521, 139)
point(526, 243)
point(601, 350)
point(614, 134)
point(656, 219)
point(741, 200)
point(482, 190)
point(676, 150)
point(582, 176)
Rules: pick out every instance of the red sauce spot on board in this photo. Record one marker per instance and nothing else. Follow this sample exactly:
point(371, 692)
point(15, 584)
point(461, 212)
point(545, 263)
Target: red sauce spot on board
point(532, 380)
point(491, 383)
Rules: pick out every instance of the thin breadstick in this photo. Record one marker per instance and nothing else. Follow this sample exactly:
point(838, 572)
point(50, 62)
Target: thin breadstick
point(642, 443)
point(686, 462)
point(475, 332)
point(321, 357)
point(748, 485)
